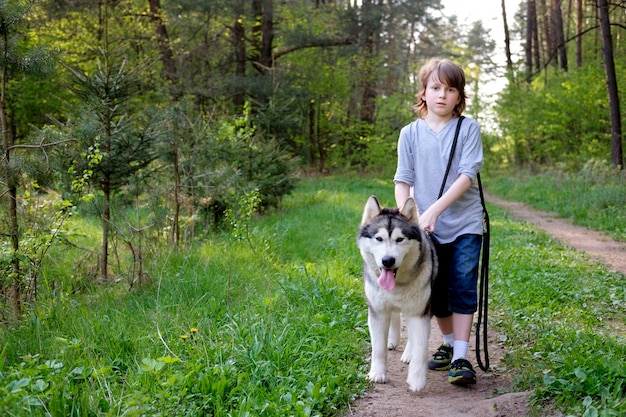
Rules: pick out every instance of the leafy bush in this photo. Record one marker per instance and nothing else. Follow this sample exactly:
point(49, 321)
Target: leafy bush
point(227, 159)
point(558, 118)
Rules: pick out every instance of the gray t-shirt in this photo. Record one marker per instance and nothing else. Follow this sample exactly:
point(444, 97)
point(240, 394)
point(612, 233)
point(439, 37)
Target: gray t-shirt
point(422, 160)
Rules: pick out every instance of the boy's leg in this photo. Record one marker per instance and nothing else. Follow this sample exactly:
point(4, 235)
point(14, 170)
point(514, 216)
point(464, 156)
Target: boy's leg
point(445, 324)
point(442, 358)
point(462, 328)
point(463, 302)
point(439, 304)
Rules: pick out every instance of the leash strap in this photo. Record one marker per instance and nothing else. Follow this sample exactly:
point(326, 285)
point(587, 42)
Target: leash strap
point(452, 149)
point(483, 297)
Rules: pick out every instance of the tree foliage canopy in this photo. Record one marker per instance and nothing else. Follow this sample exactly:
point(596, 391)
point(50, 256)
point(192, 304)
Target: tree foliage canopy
point(553, 112)
point(189, 107)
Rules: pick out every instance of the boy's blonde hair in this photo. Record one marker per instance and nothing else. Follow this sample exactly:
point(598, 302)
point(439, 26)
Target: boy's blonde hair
point(449, 74)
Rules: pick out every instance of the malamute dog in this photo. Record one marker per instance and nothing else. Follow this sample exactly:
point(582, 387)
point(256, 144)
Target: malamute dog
point(400, 265)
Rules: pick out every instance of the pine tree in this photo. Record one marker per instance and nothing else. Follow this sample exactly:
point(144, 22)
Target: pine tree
point(17, 60)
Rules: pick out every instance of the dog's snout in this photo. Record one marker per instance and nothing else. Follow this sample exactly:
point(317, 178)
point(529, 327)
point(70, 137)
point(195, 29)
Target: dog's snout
point(389, 261)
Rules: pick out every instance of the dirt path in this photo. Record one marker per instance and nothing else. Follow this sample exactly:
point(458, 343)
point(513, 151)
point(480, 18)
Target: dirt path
point(597, 245)
point(490, 397)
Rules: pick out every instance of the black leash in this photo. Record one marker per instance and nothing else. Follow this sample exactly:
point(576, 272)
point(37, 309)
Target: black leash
point(452, 149)
point(483, 297)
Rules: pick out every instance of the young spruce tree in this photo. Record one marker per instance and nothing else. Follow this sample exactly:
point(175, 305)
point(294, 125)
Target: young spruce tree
point(117, 141)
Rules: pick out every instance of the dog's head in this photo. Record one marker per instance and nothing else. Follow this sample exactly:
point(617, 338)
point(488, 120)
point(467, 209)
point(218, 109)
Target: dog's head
point(373, 210)
point(389, 238)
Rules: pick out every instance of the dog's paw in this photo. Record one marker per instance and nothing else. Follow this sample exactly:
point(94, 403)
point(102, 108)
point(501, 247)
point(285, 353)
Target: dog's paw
point(377, 377)
point(416, 382)
point(406, 356)
point(391, 345)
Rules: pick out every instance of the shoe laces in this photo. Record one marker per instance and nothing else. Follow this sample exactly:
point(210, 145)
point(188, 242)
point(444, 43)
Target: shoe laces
point(461, 364)
point(443, 352)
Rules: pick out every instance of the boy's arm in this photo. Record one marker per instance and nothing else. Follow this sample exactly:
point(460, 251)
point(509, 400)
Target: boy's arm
point(428, 220)
point(402, 191)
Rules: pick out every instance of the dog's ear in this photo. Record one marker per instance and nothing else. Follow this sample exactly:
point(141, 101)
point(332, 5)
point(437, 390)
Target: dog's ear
point(372, 209)
point(409, 210)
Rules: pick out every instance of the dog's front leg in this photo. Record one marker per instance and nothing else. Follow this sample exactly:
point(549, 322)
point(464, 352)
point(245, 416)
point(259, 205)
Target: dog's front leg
point(417, 348)
point(378, 323)
point(394, 331)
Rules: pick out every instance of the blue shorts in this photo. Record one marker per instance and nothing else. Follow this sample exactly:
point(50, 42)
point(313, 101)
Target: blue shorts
point(454, 290)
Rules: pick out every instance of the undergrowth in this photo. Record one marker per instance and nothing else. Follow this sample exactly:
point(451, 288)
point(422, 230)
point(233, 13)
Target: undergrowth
point(276, 324)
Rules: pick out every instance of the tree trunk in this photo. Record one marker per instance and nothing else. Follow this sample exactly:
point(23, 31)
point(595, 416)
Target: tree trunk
point(165, 50)
point(617, 158)
point(531, 30)
point(369, 44)
point(546, 22)
point(106, 222)
point(12, 292)
point(559, 37)
point(579, 30)
point(177, 197)
point(311, 133)
point(264, 34)
point(535, 35)
point(239, 47)
point(318, 138)
point(507, 41)
point(263, 59)
point(267, 34)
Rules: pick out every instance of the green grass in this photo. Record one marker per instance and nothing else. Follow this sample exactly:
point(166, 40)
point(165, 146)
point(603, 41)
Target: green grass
point(594, 197)
point(275, 329)
point(563, 320)
point(279, 327)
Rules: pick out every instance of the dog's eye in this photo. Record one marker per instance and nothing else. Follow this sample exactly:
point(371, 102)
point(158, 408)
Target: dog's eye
point(400, 239)
point(379, 239)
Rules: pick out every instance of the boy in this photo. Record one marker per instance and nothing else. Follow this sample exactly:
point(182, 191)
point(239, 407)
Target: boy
point(454, 220)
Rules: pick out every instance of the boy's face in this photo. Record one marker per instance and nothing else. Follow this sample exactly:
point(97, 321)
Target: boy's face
point(440, 98)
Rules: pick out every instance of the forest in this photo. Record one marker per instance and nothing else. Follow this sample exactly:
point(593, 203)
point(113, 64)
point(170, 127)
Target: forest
point(162, 124)
point(212, 102)
point(188, 108)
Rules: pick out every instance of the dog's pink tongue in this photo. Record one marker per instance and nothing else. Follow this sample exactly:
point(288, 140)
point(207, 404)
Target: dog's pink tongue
point(387, 280)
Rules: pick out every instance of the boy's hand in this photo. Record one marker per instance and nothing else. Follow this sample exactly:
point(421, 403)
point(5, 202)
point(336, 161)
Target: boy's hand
point(428, 220)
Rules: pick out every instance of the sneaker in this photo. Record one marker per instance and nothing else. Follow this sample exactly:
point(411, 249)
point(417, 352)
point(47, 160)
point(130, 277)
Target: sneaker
point(461, 373)
point(441, 359)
